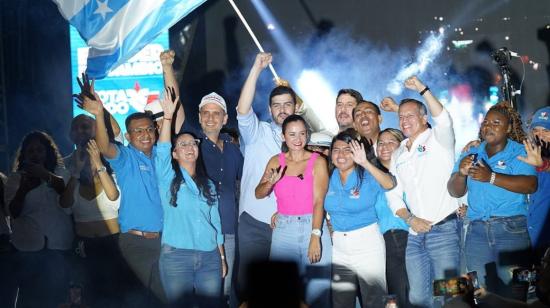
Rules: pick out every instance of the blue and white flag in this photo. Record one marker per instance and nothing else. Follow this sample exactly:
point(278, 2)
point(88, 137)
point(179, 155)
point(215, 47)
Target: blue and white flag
point(116, 30)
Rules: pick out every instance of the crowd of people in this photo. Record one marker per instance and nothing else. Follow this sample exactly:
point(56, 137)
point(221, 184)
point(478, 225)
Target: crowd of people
point(186, 217)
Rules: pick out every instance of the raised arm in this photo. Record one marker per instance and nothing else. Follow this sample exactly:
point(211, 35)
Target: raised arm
point(385, 179)
point(67, 198)
point(168, 107)
point(167, 60)
point(249, 88)
point(95, 107)
point(434, 106)
point(111, 191)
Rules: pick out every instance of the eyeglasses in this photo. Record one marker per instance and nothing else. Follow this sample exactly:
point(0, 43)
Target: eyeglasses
point(183, 144)
point(141, 130)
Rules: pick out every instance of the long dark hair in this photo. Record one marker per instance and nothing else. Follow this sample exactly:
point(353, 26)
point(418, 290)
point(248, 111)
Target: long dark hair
point(347, 136)
point(201, 178)
point(53, 157)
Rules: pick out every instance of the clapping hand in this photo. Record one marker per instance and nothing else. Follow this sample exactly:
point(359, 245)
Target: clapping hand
point(480, 172)
point(95, 155)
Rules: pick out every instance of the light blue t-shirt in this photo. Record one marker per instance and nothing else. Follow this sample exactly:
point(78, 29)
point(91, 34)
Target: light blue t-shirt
point(192, 224)
point(486, 200)
point(140, 207)
point(351, 207)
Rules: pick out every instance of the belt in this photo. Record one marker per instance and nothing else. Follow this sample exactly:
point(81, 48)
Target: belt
point(148, 235)
point(447, 219)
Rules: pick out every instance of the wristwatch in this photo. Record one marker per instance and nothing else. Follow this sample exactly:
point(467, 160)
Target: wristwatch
point(316, 232)
point(101, 169)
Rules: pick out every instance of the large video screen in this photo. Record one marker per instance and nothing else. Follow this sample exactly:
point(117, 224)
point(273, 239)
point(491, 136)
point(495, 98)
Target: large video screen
point(127, 88)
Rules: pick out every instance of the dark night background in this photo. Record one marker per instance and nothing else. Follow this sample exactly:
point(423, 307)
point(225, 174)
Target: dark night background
point(35, 80)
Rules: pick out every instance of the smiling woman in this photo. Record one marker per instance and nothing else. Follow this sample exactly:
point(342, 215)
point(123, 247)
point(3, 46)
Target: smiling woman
point(299, 180)
point(497, 183)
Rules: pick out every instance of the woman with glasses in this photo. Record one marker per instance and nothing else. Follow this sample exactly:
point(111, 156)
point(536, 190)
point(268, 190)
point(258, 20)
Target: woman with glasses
point(192, 262)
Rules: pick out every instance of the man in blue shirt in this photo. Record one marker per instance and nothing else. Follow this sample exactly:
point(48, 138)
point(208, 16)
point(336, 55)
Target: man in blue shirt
point(140, 214)
point(224, 164)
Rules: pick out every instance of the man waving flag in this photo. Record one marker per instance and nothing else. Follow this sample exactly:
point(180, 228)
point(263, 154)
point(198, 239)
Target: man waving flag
point(116, 30)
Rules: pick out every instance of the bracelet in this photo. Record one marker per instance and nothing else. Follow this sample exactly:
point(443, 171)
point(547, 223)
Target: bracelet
point(167, 119)
point(101, 169)
point(223, 257)
point(424, 91)
point(545, 165)
point(316, 232)
point(493, 177)
point(409, 219)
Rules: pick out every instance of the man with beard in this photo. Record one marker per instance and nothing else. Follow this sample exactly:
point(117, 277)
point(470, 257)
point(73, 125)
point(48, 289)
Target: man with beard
point(346, 100)
point(262, 140)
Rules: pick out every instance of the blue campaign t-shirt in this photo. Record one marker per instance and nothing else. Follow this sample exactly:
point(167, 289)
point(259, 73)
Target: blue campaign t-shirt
point(351, 207)
point(538, 220)
point(225, 169)
point(140, 207)
point(486, 200)
point(193, 223)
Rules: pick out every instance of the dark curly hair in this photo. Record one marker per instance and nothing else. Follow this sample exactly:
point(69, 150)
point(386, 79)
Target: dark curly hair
point(201, 177)
point(53, 157)
point(516, 132)
point(347, 136)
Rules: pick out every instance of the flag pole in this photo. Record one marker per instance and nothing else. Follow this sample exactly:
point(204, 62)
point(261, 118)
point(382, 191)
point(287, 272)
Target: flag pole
point(254, 38)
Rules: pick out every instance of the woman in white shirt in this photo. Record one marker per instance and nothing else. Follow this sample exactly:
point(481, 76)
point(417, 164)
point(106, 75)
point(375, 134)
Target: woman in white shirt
point(93, 196)
point(42, 229)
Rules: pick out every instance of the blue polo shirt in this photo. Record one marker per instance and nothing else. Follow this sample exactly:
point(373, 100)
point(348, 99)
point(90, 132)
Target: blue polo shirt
point(486, 200)
point(140, 207)
point(224, 169)
point(386, 220)
point(351, 207)
point(193, 224)
point(538, 220)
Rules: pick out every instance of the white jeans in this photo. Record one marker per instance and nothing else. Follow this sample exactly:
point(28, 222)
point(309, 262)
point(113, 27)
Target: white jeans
point(359, 260)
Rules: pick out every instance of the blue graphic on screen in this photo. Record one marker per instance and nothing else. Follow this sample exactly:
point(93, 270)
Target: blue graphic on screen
point(128, 88)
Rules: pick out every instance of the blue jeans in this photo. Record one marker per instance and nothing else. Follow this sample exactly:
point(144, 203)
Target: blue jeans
point(183, 271)
point(254, 238)
point(230, 248)
point(430, 256)
point(498, 244)
point(290, 242)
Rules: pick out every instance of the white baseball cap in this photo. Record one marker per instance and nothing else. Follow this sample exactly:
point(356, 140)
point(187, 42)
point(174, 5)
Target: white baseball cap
point(213, 98)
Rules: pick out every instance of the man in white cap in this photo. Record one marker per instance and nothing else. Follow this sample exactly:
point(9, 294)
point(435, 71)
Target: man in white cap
point(224, 163)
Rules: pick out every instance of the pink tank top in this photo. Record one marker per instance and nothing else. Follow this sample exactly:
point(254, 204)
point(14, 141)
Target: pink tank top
point(295, 193)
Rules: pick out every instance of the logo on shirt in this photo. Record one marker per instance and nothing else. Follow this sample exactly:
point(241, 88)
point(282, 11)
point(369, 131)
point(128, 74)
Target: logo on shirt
point(144, 168)
point(421, 148)
point(501, 165)
point(330, 193)
point(543, 115)
point(354, 193)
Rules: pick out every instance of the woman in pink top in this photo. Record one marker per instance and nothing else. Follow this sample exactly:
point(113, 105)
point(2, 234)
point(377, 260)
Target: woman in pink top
point(299, 179)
